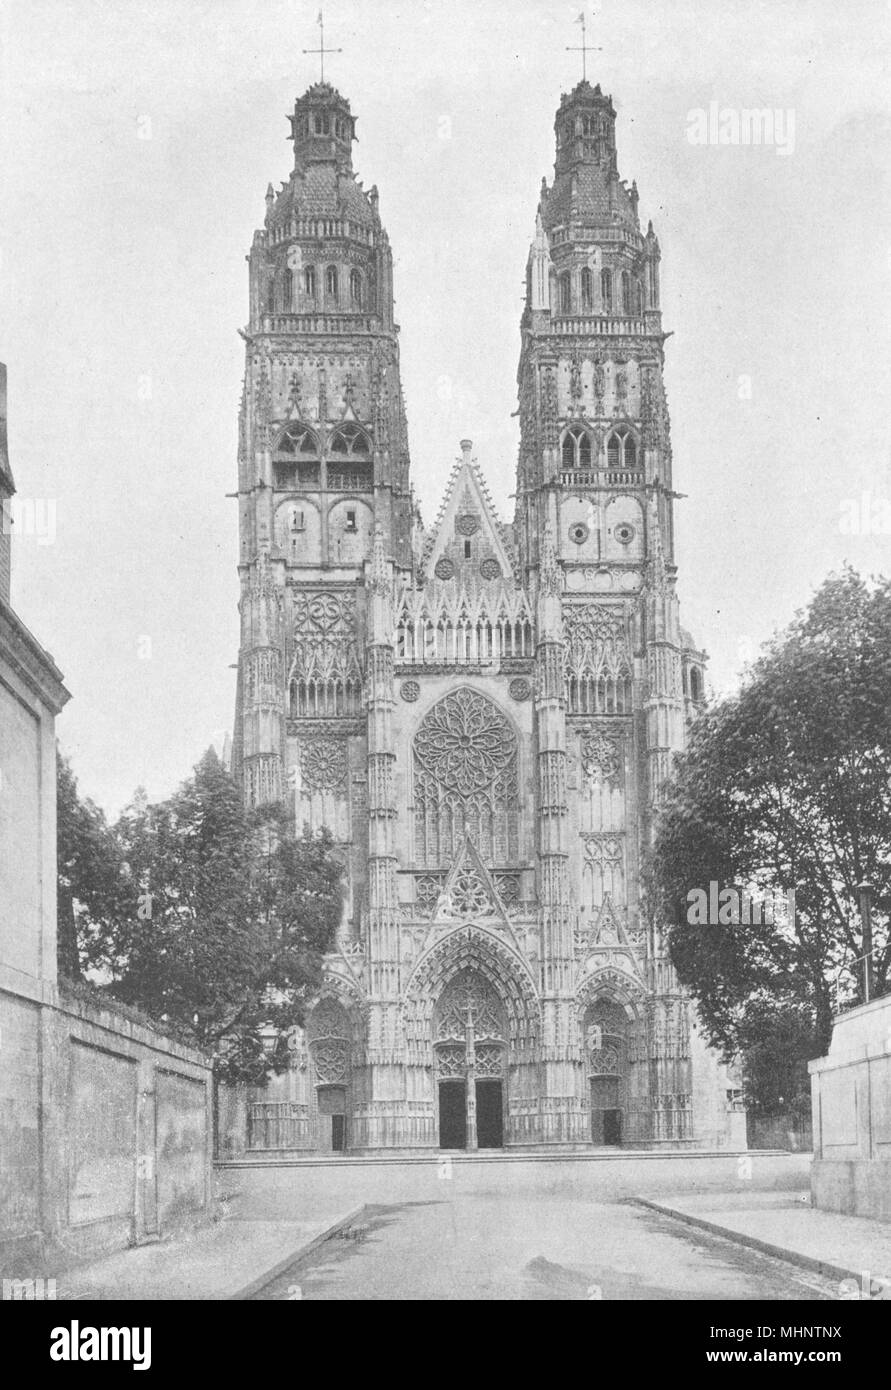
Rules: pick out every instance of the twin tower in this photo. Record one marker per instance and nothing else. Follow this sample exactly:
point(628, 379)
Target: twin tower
point(482, 713)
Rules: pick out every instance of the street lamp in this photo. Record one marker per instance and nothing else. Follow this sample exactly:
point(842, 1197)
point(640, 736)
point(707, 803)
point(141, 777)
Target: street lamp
point(864, 891)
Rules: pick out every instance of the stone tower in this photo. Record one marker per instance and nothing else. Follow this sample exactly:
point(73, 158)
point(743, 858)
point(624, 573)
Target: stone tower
point(323, 459)
point(618, 677)
point(482, 714)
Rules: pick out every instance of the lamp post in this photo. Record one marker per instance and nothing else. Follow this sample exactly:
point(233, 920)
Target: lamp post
point(865, 893)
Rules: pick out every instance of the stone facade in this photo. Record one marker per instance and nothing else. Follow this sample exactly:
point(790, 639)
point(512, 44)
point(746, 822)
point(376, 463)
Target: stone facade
point(483, 714)
point(851, 1106)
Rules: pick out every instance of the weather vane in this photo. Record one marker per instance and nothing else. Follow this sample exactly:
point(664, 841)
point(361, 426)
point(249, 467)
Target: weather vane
point(322, 50)
point(585, 48)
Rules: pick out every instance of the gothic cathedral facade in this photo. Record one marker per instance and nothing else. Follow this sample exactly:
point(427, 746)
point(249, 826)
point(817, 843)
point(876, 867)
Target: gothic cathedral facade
point(482, 714)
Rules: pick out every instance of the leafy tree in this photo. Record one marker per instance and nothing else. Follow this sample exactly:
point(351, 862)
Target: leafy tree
point(221, 921)
point(90, 872)
point(787, 784)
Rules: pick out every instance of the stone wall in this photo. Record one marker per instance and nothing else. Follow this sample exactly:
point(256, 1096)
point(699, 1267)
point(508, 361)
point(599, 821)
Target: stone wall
point(851, 1100)
point(105, 1128)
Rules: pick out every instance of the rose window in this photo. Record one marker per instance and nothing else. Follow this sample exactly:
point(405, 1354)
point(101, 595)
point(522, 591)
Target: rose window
point(465, 742)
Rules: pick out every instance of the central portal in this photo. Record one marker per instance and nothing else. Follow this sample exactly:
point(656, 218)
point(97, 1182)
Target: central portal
point(452, 1115)
point(469, 1049)
point(453, 1126)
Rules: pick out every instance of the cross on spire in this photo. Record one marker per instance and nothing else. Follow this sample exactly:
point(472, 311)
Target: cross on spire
point(585, 48)
point(322, 50)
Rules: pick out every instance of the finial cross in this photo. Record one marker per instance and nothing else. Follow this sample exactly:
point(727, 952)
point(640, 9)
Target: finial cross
point(322, 50)
point(585, 48)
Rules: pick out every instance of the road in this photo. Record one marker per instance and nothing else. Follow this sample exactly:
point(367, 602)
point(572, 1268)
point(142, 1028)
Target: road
point(484, 1238)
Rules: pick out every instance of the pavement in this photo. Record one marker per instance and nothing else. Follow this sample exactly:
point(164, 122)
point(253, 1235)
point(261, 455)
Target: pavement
point(784, 1224)
point(231, 1258)
point(452, 1226)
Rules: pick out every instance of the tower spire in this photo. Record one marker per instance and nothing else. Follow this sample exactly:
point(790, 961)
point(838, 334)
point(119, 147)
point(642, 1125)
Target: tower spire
point(322, 50)
point(584, 48)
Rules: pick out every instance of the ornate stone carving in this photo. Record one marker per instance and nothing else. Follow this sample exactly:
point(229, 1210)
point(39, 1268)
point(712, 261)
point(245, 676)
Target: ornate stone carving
point(444, 568)
point(519, 688)
point(323, 763)
point(467, 524)
point(469, 895)
point(332, 1061)
point(469, 991)
point(410, 690)
point(490, 569)
point(601, 755)
point(465, 743)
point(326, 670)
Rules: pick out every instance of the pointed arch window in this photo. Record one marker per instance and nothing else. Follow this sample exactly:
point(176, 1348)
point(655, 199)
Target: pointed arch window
point(295, 457)
point(465, 781)
point(577, 451)
point(356, 296)
point(309, 282)
point(621, 449)
point(565, 293)
point(638, 297)
point(606, 291)
point(270, 295)
point(350, 468)
point(289, 290)
point(349, 442)
point(331, 282)
point(626, 292)
point(587, 288)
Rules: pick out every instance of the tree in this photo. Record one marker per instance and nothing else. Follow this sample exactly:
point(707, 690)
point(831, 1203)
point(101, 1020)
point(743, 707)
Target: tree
point(787, 785)
point(90, 871)
point(221, 921)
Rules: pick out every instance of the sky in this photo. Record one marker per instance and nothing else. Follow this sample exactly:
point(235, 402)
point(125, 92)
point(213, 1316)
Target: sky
point(136, 142)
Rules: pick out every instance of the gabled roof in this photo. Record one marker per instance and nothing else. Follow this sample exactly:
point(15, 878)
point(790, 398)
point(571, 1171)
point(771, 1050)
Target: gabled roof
point(467, 513)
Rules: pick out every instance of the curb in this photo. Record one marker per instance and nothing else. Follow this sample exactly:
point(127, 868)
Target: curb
point(460, 1156)
point(764, 1247)
point(281, 1265)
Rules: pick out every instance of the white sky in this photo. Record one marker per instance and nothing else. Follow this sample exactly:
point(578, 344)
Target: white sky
point(123, 258)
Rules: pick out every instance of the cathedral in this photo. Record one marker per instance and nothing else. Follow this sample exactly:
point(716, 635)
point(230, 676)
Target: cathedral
point(482, 713)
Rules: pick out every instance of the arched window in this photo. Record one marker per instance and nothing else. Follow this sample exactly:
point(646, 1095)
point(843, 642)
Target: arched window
point(270, 295)
point(295, 458)
point(565, 292)
point(331, 282)
point(297, 441)
point(606, 291)
point(349, 442)
point(321, 121)
point(621, 449)
point(576, 451)
point(695, 683)
point(309, 282)
point(626, 292)
point(350, 467)
point(356, 289)
point(465, 781)
point(638, 297)
point(289, 291)
point(587, 289)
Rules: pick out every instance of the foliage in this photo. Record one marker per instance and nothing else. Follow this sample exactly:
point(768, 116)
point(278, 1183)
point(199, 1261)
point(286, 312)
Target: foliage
point(787, 784)
point(218, 920)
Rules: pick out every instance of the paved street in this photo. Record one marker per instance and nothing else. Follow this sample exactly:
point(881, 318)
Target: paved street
point(522, 1231)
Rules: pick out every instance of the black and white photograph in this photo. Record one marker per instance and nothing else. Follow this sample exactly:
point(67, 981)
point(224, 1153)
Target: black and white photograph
point(445, 664)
